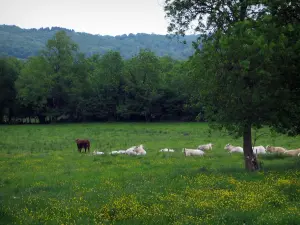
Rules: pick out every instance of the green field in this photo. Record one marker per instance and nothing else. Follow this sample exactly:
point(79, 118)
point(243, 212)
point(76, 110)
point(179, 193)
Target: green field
point(44, 180)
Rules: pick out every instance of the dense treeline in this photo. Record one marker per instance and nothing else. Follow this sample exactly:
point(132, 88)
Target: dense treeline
point(62, 84)
point(23, 43)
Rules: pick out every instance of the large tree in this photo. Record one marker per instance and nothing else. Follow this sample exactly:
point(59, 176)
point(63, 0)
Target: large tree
point(60, 54)
point(49, 81)
point(142, 75)
point(34, 85)
point(105, 81)
point(237, 74)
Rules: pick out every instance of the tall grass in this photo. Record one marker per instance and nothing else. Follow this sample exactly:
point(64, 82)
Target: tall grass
point(44, 180)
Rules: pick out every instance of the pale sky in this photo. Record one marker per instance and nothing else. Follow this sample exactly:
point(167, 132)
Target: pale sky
point(104, 17)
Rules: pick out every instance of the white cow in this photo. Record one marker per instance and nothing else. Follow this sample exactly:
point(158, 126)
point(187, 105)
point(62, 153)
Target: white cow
point(294, 152)
point(205, 147)
point(130, 151)
point(98, 153)
point(140, 150)
point(166, 150)
point(259, 150)
point(114, 152)
point(273, 149)
point(131, 148)
point(193, 152)
point(232, 148)
point(118, 152)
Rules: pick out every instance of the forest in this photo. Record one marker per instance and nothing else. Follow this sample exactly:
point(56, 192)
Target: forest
point(23, 43)
point(63, 84)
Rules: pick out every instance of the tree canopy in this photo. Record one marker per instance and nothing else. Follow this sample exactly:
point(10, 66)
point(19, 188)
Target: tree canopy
point(246, 75)
point(63, 84)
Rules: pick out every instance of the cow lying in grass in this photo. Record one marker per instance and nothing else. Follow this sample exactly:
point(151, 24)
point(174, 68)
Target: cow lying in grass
point(166, 150)
point(98, 153)
point(193, 152)
point(232, 148)
point(83, 144)
point(205, 147)
point(273, 149)
point(118, 152)
point(130, 151)
point(259, 150)
point(140, 150)
point(134, 150)
point(294, 152)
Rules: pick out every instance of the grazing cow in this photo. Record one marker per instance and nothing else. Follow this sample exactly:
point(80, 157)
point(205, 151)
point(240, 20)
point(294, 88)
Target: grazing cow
point(83, 144)
point(205, 147)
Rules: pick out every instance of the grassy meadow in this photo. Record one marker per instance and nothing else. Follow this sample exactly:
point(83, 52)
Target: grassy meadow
point(44, 180)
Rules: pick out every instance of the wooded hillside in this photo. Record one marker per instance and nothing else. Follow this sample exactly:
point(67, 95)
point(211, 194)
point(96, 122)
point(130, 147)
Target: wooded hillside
point(61, 83)
point(22, 43)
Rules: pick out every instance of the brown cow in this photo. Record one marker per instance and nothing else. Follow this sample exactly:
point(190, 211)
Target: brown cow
point(83, 144)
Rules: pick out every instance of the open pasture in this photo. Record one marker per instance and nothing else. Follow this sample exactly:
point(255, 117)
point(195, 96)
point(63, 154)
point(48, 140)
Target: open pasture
point(44, 180)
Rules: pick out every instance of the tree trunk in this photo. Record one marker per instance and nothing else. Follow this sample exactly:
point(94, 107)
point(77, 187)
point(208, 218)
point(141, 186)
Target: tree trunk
point(10, 115)
point(243, 10)
point(42, 119)
point(1, 117)
point(250, 159)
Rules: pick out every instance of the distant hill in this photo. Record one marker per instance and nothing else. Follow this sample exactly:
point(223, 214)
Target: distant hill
point(23, 43)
